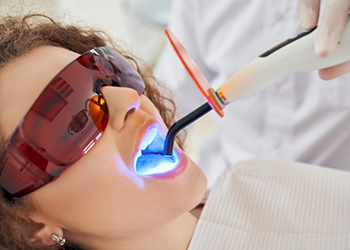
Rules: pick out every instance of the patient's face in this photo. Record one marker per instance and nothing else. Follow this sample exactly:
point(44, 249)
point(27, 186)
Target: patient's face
point(101, 194)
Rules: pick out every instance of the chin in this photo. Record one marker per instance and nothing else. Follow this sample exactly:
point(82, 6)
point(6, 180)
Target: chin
point(198, 183)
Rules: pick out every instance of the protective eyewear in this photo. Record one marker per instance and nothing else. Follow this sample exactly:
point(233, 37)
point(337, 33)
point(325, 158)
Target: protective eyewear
point(66, 120)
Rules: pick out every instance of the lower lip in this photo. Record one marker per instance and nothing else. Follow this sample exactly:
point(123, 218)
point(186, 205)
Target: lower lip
point(180, 168)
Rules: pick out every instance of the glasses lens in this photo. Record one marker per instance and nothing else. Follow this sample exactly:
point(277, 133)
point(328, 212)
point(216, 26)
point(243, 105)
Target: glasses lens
point(71, 114)
point(66, 120)
point(97, 107)
point(125, 74)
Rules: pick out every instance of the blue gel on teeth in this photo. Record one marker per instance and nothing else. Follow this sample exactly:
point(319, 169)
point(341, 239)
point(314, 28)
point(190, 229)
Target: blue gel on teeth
point(156, 147)
point(154, 164)
point(151, 160)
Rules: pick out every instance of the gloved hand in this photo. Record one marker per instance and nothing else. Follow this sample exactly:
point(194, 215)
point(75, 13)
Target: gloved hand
point(329, 30)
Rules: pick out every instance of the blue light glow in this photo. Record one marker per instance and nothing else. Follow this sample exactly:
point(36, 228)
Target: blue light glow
point(150, 159)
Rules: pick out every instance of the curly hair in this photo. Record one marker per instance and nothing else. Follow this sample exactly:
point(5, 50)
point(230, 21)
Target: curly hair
point(20, 35)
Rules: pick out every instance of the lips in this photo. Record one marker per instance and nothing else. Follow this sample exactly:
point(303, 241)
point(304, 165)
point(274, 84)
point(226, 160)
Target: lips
point(149, 159)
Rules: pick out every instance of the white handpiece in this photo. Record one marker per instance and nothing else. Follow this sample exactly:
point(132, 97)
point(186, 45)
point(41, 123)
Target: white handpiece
point(293, 55)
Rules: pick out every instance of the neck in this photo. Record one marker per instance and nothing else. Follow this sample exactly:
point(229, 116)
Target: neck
point(175, 235)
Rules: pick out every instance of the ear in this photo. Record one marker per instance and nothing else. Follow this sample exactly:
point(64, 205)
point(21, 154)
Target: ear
point(43, 229)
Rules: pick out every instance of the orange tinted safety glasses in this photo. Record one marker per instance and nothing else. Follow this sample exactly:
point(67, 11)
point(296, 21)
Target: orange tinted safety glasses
point(66, 120)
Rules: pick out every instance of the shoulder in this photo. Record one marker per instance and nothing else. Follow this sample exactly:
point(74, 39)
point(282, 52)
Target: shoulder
point(271, 168)
point(275, 192)
point(257, 200)
point(266, 179)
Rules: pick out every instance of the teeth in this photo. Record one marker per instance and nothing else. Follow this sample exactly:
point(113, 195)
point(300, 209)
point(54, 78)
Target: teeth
point(148, 138)
point(149, 159)
point(156, 164)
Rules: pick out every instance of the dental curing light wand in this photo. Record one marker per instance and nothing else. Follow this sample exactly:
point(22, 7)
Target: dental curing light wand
point(180, 124)
point(293, 55)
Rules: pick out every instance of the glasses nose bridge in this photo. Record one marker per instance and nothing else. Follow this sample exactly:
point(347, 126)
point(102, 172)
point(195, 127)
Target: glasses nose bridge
point(98, 84)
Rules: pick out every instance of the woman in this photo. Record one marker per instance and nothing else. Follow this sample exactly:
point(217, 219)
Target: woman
point(75, 169)
point(99, 201)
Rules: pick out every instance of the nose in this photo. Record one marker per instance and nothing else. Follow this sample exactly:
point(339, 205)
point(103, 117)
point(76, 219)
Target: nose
point(120, 101)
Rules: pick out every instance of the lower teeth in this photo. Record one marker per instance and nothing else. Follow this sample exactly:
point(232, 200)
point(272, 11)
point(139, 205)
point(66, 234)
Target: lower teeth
point(154, 163)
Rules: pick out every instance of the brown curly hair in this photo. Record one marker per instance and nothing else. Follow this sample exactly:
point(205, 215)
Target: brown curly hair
point(20, 35)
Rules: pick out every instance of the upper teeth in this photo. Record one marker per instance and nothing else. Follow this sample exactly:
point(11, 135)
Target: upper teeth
point(147, 139)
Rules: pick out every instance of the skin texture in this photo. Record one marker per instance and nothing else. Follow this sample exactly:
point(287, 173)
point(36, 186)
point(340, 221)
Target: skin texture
point(330, 28)
point(100, 202)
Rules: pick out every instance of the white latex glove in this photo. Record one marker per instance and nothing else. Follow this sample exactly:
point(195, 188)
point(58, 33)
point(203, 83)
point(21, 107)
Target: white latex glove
point(329, 30)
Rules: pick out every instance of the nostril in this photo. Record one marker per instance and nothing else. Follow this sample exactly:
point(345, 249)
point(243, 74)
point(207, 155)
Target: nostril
point(121, 103)
point(129, 113)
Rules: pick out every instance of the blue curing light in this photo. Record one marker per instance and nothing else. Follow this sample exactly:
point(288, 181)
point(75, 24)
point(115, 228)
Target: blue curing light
point(150, 159)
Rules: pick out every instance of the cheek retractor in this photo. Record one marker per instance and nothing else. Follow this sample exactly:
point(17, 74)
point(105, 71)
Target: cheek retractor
point(293, 55)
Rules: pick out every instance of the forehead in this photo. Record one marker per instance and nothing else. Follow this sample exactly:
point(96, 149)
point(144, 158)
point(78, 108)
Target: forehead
point(22, 81)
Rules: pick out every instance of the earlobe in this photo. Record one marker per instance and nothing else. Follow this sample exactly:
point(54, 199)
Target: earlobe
point(43, 235)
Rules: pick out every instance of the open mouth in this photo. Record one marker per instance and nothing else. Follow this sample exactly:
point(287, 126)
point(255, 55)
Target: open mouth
point(149, 159)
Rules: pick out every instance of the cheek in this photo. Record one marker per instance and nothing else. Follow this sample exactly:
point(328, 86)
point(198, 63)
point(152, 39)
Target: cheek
point(101, 195)
point(148, 106)
point(96, 195)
